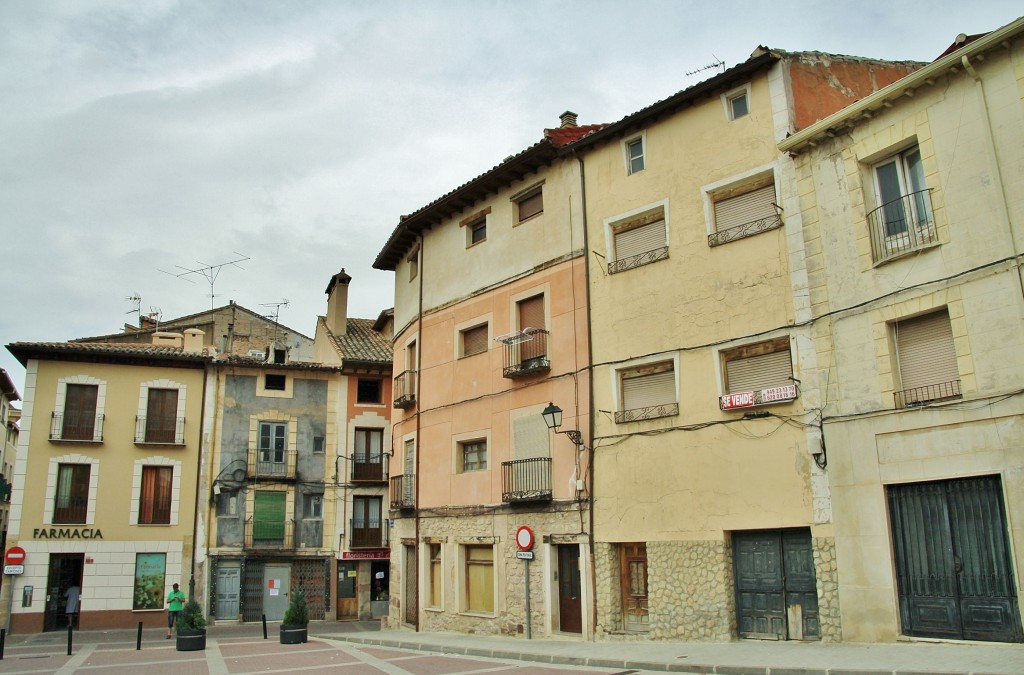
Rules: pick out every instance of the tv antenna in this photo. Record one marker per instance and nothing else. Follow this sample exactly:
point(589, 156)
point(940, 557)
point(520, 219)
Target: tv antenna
point(277, 308)
point(714, 65)
point(208, 272)
point(136, 301)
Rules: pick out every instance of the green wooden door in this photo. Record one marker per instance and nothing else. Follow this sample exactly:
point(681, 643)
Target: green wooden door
point(268, 518)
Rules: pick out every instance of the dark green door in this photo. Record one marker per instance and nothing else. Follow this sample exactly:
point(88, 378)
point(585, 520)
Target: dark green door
point(776, 590)
point(268, 519)
point(953, 564)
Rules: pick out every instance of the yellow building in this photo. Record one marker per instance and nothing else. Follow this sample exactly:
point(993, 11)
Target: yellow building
point(9, 427)
point(105, 480)
point(711, 502)
point(490, 328)
point(913, 227)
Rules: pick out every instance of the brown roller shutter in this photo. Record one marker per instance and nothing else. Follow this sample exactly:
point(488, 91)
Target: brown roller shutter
point(745, 208)
point(647, 391)
point(639, 240)
point(759, 372)
point(531, 312)
point(924, 346)
point(474, 340)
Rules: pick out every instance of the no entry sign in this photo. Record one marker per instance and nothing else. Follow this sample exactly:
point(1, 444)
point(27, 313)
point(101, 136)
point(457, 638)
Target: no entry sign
point(15, 556)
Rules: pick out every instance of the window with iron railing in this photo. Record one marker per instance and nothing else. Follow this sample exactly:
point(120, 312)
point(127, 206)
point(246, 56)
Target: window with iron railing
point(405, 389)
point(526, 480)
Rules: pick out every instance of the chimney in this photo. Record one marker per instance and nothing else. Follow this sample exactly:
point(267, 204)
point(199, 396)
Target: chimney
point(337, 303)
point(161, 339)
point(568, 119)
point(194, 340)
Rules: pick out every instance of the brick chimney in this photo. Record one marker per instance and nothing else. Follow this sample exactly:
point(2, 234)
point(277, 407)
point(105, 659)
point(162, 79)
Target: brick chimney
point(568, 119)
point(337, 303)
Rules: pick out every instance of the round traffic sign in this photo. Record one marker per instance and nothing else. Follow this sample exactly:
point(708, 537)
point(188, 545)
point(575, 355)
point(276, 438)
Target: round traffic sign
point(15, 555)
point(524, 538)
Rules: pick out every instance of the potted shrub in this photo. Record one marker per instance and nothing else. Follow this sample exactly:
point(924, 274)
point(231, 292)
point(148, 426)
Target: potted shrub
point(191, 627)
point(294, 626)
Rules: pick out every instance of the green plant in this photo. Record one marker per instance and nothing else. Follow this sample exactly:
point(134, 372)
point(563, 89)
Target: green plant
point(191, 616)
point(297, 613)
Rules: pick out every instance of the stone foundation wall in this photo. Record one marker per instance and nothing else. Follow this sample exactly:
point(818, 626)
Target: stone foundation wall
point(827, 575)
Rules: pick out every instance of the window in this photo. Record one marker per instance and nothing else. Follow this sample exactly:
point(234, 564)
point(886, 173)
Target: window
point(743, 210)
point(280, 355)
point(435, 575)
point(161, 420)
point(367, 460)
point(758, 374)
point(479, 576)
point(274, 382)
point(474, 340)
point(472, 456)
point(155, 497)
point(647, 392)
point(227, 503)
point(737, 104)
point(71, 502)
point(79, 418)
point(529, 203)
point(926, 358)
point(477, 231)
point(634, 148)
point(903, 220)
point(318, 445)
point(273, 442)
point(638, 240)
point(368, 390)
point(313, 506)
point(149, 581)
point(367, 529)
point(414, 263)
point(268, 518)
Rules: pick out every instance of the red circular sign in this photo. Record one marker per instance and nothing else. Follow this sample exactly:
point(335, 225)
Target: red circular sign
point(524, 538)
point(15, 556)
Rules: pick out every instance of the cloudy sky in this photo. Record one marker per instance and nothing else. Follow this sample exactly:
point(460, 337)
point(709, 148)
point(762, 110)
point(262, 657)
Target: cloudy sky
point(141, 138)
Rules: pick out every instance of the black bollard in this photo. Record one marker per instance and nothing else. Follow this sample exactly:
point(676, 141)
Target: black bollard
point(138, 638)
point(264, 626)
point(69, 640)
point(3, 639)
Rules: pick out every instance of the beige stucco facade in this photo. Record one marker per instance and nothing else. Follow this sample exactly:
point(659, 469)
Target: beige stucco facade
point(124, 567)
point(890, 435)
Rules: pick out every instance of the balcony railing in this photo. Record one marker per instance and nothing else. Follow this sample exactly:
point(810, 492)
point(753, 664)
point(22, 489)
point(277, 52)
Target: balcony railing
point(70, 510)
point(745, 230)
point(628, 263)
point(271, 464)
point(68, 426)
point(902, 225)
point(403, 491)
point(367, 536)
point(160, 430)
point(372, 469)
point(909, 398)
point(526, 480)
point(405, 389)
point(526, 353)
point(648, 413)
point(269, 534)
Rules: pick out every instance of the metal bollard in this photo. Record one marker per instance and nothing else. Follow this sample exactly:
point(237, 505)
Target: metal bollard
point(138, 638)
point(69, 640)
point(3, 639)
point(264, 626)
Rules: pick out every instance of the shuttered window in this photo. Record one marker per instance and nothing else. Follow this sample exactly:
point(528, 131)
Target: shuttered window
point(474, 340)
point(531, 204)
point(641, 239)
point(745, 208)
point(924, 347)
point(648, 389)
point(531, 312)
point(435, 575)
point(479, 578)
point(763, 371)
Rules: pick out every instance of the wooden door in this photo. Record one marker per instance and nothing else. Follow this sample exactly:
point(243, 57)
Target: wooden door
point(228, 583)
point(410, 595)
point(633, 580)
point(776, 588)
point(570, 602)
point(348, 597)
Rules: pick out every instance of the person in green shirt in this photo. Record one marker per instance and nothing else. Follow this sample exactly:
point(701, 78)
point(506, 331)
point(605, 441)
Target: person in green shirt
point(174, 603)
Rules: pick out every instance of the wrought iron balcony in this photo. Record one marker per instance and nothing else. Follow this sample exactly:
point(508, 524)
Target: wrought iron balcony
point(372, 469)
point(908, 398)
point(70, 510)
point(648, 413)
point(771, 222)
point(266, 464)
point(526, 353)
point(526, 480)
point(628, 263)
point(403, 491)
point(902, 225)
point(366, 535)
point(269, 534)
point(70, 426)
point(160, 430)
point(405, 389)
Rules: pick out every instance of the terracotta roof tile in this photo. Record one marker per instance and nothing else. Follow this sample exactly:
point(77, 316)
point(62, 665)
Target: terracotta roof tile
point(361, 343)
point(563, 136)
point(24, 350)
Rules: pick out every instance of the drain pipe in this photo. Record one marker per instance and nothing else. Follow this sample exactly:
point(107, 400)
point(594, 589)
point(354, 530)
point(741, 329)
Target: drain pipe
point(416, 445)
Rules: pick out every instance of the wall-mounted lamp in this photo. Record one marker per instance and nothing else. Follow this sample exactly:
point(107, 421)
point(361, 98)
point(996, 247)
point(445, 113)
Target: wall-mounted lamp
point(553, 419)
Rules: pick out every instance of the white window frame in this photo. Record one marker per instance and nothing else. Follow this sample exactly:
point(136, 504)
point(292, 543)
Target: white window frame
point(918, 225)
point(730, 96)
point(156, 460)
point(463, 327)
point(51, 485)
point(101, 399)
point(772, 393)
point(736, 186)
point(628, 142)
point(949, 347)
point(619, 223)
point(625, 370)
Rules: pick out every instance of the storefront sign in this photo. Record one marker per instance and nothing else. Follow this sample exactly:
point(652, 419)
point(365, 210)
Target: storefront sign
point(67, 533)
point(365, 555)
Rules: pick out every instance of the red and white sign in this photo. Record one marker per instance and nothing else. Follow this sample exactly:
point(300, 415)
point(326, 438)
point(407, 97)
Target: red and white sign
point(524, 538)
point(365, 555)
point(15, 556)
point(748, 399)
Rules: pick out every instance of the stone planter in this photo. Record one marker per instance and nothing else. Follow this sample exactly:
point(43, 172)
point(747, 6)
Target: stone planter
point(191, 640)
point(293, 634)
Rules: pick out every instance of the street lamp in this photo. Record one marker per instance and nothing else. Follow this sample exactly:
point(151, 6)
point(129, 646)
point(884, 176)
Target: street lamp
point(553, 419)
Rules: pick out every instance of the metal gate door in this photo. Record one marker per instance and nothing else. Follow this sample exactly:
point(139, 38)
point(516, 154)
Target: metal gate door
point(776, 590)
point(953, 565)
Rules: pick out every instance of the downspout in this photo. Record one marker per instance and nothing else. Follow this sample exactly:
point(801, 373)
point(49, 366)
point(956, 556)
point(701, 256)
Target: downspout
point(590, 397)
point(207, 367)
point(419, 402)
point(987, 123)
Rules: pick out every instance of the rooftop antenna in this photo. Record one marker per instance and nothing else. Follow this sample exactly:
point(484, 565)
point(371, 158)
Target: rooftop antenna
point(136, 301)
point(717, 63)
point(277, 308)
point(208, 271)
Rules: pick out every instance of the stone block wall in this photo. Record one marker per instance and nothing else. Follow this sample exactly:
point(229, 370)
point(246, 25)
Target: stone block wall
point(827, 575)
